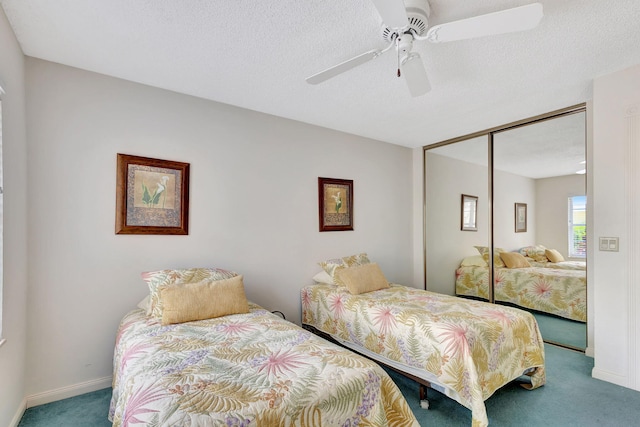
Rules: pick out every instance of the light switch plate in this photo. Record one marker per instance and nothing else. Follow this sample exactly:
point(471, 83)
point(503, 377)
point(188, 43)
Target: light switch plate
point(609, 244)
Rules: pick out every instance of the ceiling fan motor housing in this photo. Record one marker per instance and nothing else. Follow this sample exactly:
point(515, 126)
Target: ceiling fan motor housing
point(418, 12)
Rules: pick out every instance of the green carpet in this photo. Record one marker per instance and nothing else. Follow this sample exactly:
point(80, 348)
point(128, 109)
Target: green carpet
point(570, 398)
point(562, 331)
point(558, 330)
point(86, 410)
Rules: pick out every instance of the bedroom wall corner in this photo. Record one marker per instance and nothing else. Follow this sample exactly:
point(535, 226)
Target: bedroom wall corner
point(14, 270)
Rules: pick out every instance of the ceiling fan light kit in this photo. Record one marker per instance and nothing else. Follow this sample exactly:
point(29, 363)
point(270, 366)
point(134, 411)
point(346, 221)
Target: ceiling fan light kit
point(404, 22)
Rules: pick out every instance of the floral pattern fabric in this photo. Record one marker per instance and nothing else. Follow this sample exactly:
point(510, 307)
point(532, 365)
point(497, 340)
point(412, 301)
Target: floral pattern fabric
point(537, 253)
point(252, 369)
point(561, 292)
point(470, 348)
point(333, 266)
point(562, 265)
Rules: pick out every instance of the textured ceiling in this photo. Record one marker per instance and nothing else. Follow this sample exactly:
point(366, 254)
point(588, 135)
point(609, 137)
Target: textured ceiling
point(257, 55)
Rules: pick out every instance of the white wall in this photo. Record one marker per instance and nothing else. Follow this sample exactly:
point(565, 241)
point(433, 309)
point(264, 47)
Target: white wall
point(552, 198)
point(253, 209)
point(616, 206)
point(14, 269)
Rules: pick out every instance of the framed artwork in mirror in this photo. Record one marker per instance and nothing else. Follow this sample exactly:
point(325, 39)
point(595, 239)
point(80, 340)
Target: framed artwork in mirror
point(335, 202)
point(152, 196)
point(521, 217)
point(469, 213)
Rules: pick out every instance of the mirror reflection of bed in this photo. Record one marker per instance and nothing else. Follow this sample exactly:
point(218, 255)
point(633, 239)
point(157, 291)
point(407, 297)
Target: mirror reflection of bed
point(535, 172)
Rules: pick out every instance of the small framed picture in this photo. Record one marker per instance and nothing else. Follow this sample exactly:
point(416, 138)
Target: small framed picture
point(152, 196)
point(521, 217)
point(335, 201)
point(468, 213)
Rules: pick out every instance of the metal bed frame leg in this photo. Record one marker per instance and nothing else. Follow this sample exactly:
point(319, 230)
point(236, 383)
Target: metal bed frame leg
point(424, 403)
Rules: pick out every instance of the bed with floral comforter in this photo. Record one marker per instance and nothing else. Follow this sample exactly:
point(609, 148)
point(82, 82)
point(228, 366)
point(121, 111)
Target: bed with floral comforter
point(561, 292)
point(469, 348)
point(252, 369)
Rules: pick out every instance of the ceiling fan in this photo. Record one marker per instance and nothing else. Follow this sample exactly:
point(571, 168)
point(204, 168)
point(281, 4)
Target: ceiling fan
point(407, 21)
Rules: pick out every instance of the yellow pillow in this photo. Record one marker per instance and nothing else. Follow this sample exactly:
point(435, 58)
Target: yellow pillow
point(484, 251)
point(363, 278)
point(203, 300)
point(514, 260)
point(553, 255)
point(158, 280)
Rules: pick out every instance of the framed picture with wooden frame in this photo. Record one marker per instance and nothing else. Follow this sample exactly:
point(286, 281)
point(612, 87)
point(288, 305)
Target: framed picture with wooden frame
point(521, 217)
point(335, 201)
point(152, 196)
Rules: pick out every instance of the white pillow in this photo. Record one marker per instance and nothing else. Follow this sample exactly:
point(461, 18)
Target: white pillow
point(475, 260)
point(144, 304)
point(323, 277)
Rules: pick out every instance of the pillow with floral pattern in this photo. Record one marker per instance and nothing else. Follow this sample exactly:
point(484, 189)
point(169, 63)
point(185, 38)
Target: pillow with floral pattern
point(536, 252)
point(332, 266)
point(484, 251)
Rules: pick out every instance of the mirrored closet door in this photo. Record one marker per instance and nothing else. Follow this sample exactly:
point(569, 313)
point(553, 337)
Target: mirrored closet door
point(529, 247)
point(457, 214)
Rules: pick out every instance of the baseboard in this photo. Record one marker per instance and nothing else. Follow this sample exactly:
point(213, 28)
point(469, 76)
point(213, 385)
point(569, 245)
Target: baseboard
point(69, 391)
point(610, 377)
point(589, 351)
point(18, 416)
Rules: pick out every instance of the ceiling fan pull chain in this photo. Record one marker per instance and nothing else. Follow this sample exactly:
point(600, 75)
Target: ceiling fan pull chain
point(398, 52)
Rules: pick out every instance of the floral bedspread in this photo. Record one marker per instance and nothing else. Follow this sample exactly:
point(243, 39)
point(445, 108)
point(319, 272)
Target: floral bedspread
point(560, 292)
point(470, 347)
point(252, 369)
point(563, 265)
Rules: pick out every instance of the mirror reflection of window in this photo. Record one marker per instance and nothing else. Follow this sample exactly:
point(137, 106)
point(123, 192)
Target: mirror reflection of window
point(578, 227)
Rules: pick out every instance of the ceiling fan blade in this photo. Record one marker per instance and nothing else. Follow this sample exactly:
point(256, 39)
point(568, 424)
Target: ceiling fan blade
point(415, 75)
point(505, 21)
point(344, 66)
point(392, 12)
